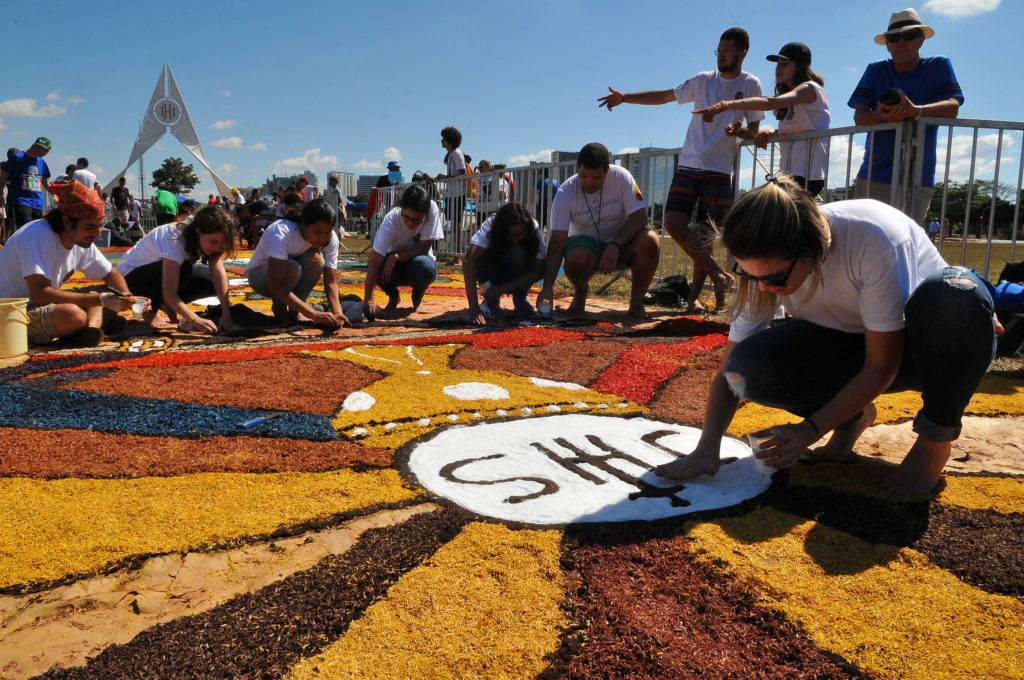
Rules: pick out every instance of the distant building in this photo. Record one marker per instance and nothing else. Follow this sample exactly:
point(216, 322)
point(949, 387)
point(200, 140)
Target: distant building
point(366, 183)
point(348, 183)
point(279, 182)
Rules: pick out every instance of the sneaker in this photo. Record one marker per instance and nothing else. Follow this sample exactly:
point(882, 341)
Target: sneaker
point(523, 306)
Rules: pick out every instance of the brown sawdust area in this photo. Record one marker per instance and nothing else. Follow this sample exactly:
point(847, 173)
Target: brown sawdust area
point(84, 453)
point(263, 634)
point(300, 384)
point(576, 361)
point(655, 610)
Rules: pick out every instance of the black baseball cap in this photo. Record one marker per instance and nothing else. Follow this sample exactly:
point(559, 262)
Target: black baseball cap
point(794, 51)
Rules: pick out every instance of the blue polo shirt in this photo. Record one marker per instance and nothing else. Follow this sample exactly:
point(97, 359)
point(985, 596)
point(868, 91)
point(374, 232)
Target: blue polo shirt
point(932, 80)
point(27, 175)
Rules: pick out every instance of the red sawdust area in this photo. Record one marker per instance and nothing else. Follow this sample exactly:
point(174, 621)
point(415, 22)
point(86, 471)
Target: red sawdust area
point(84, 453)
point(684, 396)
point(649, 608)
point(575, 361)
point(301, 384)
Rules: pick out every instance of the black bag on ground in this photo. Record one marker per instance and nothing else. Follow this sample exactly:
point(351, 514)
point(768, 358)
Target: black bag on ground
point(672, 291)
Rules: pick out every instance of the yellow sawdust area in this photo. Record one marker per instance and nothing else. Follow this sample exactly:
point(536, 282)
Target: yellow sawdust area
point(411, 399)
point(862, 476)
point(484, 606)
point(997, 395)
point(55, 528)
point(888, 610)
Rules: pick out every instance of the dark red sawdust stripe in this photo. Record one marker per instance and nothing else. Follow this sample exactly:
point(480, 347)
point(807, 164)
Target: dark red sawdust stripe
point(518, 337)
point(980, 547)
point(263, 634)
point(304, 384)
point(652, 609)
point(85, 453)
point(643, 368)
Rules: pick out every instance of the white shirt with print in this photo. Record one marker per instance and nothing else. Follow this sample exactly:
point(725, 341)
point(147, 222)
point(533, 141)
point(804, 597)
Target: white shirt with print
point(600, 215)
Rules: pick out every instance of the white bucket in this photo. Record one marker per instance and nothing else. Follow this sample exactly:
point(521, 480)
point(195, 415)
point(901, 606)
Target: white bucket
point(13, 327)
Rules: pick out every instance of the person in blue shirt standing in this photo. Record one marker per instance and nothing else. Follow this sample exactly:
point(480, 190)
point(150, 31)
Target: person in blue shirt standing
point(907, 86)
point(28, 174)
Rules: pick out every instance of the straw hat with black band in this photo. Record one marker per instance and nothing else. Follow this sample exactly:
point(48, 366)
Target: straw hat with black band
point(904, 20)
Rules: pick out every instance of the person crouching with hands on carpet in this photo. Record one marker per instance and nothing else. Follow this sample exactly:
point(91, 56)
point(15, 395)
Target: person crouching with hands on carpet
point(403, 253)
point(160, 266)
point(42, 255)
point(506, 256)
point(290, 258)
point(876, 310)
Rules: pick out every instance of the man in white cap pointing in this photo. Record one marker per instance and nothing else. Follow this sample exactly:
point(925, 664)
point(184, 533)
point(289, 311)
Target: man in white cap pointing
point(906, 86)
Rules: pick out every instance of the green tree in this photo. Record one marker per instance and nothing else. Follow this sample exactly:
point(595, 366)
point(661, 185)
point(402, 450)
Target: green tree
point(175, 176)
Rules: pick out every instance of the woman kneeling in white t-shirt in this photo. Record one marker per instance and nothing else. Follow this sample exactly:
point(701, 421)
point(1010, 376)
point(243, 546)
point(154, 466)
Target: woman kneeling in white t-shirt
point(876, 310)
point(160, 265)
point(290, 258)
point(506, 256)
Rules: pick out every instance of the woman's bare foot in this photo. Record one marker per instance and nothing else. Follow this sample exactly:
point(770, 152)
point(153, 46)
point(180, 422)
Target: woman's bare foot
point(920, 471)
point(690, 466)
point(840, 444)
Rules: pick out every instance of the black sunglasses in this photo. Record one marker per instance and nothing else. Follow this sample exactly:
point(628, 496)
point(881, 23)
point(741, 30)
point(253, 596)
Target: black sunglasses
point(906, 35)
point(774, 281)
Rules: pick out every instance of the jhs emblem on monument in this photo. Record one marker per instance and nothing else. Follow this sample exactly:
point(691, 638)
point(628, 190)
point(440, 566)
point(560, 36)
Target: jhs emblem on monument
point(577, 468)
point(167, 111)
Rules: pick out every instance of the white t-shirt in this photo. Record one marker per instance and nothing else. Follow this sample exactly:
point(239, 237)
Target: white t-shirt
point(159, 244)
point(308, 193)
point(393, 234)
point(456, 161)
point(86, 177)
point(133, 208)
point(804, 118)
point(482, 237)
point(238, 200)
point(283, 240)
point(600, 215)
point(878, 257)
point(36, 249)
point(707, 147)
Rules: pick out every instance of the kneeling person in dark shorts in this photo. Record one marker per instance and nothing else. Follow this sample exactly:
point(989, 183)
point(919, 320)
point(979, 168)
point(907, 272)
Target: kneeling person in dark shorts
point(599, 223)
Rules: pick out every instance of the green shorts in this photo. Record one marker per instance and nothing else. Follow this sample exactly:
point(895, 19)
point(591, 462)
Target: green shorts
point(594, 246)
point(41, 329)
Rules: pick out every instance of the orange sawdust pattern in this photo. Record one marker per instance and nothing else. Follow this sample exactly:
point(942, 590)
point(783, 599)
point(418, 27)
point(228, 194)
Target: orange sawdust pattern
point(302, 384)
point(575, 361)
point(84, 453)
point(684, 396)
point(888, 610)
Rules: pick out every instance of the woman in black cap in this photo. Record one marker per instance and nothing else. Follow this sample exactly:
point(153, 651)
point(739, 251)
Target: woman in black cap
point(800, 105)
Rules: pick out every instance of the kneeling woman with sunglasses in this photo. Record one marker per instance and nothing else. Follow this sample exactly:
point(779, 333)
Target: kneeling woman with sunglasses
point(402, 252)
point(876, 310)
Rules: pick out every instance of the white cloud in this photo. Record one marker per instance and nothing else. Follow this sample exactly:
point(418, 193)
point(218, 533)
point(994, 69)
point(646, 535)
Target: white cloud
point(223, 125)
point(158, 147)
point(960, 157)
point(28, 108)
point(390, 154)
point(543, 156)
point(226, 169)
point(76, 100)
point(229, 143)
point(53, 97)
point(258, 146)
point(310, 160)
point(225, 93)
point(958, 9)
point(628, 149)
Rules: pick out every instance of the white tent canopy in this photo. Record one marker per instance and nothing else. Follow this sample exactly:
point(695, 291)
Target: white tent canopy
point(167, 113)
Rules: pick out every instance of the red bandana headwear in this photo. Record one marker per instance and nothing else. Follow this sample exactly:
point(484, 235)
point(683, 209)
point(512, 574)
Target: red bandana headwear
point(78, 201)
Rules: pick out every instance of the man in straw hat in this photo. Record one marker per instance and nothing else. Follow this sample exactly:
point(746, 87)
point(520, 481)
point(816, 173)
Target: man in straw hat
point(905, 87)
point(42, 255)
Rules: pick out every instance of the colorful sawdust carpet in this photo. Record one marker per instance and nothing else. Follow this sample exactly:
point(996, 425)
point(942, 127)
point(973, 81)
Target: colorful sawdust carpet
point(471, 503)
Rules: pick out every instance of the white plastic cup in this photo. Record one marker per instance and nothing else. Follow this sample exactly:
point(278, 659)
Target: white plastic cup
point(756, 439)
point(138, 308)
point(544, 307)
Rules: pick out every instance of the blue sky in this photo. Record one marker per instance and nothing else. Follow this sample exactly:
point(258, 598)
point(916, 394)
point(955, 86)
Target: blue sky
point(279, 88)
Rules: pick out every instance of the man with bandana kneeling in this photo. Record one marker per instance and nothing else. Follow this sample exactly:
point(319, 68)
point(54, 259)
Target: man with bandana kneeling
point(41, 256)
